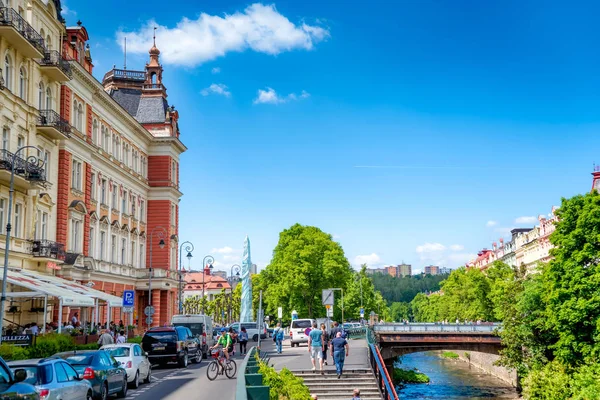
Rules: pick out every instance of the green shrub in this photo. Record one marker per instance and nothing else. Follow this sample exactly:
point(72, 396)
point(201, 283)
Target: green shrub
point(450, 354)
point(136, 339)
point(89, 346)
point(283, 385)
point(10, 352)
point(409, 376)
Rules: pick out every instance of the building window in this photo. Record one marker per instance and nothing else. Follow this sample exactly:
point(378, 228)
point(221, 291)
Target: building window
point(48, 42)
point(20, 141)
point(144, 166)
point(17, 227)
point(102, 245)
point(116, 147)
point(123, 250)
point(2, 218)
point(103, 192)
point(41, 228)
point(76, 175)
point(47, 157)
point(142, 218)
point(76, 236)
point(48, 98)
point(5, 138)
point(95, 132)
point(92, 244)
point(105, 138)
point(113, 249)
point(142, 256)
point(41, 94)
point(8, 72)
point(93, 186)
point(114, 197)
point(133, 207)
point(124, 203)
point(125, 154)
point(23, 83)
point(133, 260)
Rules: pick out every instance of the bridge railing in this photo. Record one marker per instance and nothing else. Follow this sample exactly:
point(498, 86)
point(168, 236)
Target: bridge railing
point(385, 383)
point(391, 328)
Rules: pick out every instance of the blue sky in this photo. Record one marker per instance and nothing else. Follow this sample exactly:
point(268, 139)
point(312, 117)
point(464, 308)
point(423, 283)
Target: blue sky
point(416, 131)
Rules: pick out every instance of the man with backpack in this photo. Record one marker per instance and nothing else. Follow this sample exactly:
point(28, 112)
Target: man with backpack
point(278, 335)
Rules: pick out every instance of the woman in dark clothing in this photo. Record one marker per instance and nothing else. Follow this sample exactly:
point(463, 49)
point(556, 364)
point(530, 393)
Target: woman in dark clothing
point(243, 338)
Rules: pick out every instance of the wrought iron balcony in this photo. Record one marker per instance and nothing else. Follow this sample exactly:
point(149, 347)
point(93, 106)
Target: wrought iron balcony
point(20, 34)
point(48, 249)
point(31, 171)
point(52, 124)
point(56, 66)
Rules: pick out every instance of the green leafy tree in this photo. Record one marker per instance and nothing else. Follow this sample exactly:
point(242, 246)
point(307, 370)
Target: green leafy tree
point(305, 261)
point(361, 286)
point(399, 311)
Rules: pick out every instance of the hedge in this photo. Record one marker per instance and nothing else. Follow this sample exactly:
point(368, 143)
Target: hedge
point(45, 346)
point(283, 385)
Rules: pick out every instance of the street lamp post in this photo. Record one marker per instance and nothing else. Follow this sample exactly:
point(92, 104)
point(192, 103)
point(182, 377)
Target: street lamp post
point(189, 248)
point(161, 232)
point(30, 162)
point(342, 290)
point(238, 269)
point(210, 260)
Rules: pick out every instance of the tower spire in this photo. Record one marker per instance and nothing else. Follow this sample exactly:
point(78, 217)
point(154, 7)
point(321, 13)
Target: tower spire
point(154, 37)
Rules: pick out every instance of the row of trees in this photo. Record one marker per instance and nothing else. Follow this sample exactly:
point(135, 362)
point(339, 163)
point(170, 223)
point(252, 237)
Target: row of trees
point(224, 308)
point(305, 261)
point(551, 317)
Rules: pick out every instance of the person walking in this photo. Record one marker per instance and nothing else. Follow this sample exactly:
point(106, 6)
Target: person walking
point(278, 335)
point(105, 338)
point(121, 338)
point(243, 341)
point(356, 394)
point(315, 347)
point(325, 341)
point(339, 352)
point(336, 328)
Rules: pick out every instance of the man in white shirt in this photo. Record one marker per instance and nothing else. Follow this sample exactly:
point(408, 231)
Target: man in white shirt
point(121, 338)
point(34, 329)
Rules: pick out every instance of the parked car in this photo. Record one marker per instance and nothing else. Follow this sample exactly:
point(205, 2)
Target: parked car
point(13, 385)
point(298, 331)
point(251, 330)
point(53, 378)
point(172, 344)
point(135, 361)
point(201, 327)
point(105, 374)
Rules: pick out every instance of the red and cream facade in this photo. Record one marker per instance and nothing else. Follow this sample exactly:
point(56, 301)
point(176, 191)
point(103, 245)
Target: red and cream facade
point(118, 186)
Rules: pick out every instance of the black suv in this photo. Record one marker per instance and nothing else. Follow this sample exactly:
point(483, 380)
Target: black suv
point(172, 344)
point(12, 385)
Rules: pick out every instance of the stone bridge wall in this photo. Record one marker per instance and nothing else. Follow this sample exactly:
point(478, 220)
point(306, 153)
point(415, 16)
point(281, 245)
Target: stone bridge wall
point(485, 362)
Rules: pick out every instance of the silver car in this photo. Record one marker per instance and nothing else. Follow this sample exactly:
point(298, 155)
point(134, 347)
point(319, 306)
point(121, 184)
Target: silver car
point(135, 361)
point(54, 379)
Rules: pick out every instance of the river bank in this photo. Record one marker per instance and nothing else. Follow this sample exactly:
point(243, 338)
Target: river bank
point(452, 379)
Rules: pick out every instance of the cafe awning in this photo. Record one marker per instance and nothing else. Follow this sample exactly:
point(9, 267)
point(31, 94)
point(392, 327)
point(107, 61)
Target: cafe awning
point(78, 288)
point(41, 288)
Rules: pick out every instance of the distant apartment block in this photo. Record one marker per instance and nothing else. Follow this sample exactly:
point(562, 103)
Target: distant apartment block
point(431, 270)
point(445, 270)
point(372, 271)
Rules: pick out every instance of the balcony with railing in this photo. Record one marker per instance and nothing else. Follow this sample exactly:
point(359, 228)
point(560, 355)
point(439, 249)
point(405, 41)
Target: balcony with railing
point(55, 66)
point(136, 77)
point(51, 124)
point(48, 249)
point(29, 171)
point(153, 86)
point(17, 31)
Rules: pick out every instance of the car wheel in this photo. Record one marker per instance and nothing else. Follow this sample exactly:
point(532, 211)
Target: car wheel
point(255, 338)
point(89, 396)
point(199, 356)
point(123, 392)
point(149, 376)
point(183, 361)
point(136, 381)
point(103, 391)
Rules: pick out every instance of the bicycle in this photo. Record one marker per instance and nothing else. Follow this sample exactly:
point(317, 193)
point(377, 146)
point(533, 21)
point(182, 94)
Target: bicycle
point(218, 366)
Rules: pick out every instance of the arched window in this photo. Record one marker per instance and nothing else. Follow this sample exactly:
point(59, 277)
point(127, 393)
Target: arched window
point(8, 71)
point(23, 83)
point(95, 132)
point(41, 94)
point(48, 98)
point(117, 148)
point(48, 42)
point(79, 116)
point(153, 77)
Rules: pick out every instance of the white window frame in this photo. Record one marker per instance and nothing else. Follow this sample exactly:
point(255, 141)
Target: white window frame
point(76, 175)
point(18, 220)
point(102, 255)
point(92, 246)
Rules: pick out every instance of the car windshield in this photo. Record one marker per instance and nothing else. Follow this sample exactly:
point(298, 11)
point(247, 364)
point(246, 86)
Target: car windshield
point(152, 337)
point(78, 359)
point(301, 324)
point(197, 328)
point(118, 351)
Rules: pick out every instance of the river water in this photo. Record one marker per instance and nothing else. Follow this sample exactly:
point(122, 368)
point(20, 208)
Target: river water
point(451, 379)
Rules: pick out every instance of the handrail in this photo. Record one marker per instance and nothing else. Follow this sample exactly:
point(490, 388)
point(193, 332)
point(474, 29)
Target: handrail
point(381, 373)
point(240, 391)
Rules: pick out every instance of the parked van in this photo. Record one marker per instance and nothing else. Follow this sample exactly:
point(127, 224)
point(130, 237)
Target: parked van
point(251, 330)
point(298, 331)
point(201, 327)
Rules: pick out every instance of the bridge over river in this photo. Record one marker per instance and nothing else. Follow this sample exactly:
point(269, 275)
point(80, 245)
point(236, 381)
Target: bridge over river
point(399, 339)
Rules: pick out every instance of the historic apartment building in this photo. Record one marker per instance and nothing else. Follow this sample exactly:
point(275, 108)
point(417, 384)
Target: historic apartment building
point(110, 182)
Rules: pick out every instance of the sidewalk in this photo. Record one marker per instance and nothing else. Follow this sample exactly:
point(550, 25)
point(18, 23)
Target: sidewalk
point(298, 359)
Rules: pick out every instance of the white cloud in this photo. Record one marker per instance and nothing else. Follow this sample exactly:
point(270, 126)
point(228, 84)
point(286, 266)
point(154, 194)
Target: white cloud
point(270, 96)
point(216, 88)
point(430, 248)
point(234, 258)
point(259, 27)
point(461, 258)
point(490, 223)
point(335, 236)
point(223, 250)
point(369, 259)
point(526, 220)
point(457, 247)
point(215, 70)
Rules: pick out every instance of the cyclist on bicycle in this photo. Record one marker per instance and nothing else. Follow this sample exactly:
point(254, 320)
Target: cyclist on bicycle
point(225, 342)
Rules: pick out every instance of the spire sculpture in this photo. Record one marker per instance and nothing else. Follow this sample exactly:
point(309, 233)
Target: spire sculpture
point(246, 306)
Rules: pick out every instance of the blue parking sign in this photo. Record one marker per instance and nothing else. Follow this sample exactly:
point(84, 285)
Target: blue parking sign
point(128, 298)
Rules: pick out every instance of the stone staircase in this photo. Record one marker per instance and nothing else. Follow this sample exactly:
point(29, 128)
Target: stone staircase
point(329, 387)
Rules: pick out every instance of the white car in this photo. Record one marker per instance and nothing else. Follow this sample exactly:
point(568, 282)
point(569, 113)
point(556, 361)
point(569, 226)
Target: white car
point(133, 359)
point(298, 331)
point(251, 330)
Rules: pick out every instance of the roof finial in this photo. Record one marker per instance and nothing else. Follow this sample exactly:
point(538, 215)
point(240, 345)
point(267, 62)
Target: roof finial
point(154, 37)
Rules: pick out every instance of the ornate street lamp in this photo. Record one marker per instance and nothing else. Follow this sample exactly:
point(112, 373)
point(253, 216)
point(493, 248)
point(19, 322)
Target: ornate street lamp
point(31, 162)
point(210, 260)
point(189, 248)
point(161, 232)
